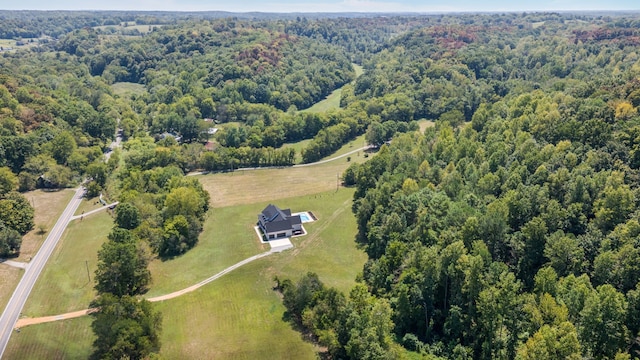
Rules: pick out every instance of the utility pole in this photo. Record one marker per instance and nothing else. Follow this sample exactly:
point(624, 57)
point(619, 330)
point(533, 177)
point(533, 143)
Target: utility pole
point(86, 262)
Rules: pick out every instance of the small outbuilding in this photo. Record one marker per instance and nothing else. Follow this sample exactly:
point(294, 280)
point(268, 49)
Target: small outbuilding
point(276, 223)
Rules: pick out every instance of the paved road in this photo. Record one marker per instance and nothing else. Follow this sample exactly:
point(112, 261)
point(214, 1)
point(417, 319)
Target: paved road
point(20, 295)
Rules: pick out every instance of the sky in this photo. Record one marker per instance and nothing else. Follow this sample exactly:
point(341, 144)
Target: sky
point(324, 6)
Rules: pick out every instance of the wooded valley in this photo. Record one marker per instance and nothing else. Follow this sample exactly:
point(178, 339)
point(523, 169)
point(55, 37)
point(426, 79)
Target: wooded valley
point(508, 230)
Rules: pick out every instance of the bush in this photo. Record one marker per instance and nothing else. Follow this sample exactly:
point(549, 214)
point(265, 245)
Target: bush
point(412, 343)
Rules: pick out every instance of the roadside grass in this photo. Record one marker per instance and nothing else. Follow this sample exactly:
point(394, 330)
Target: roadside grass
point(9, 278)
point(69, 339)
point(251, 186)
point(48, 206)
point(128, 88)
point(91, 204)
point(64, 285)
point(356, 143)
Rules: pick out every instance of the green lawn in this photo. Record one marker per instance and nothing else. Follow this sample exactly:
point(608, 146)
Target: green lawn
point(48, 206)
point(356, 143)
point(228, 237)
point(9, 278)
point(69, 339)
point(238, 316)
point(247, 187)
point(332, 101)
point(64, 285)
point(298, 147)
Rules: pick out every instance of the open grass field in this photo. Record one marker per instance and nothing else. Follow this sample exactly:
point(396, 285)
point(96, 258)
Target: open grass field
point(233, 317)
point(425, 124)
point(11, 44)
point(332, 101)
point(128, 89)
point(63, 285)
point(48, 206)
point(69, 339)
point(297, 146)
point(253, 186)
point(128, 26)
point(9, 279)
point(237, 315)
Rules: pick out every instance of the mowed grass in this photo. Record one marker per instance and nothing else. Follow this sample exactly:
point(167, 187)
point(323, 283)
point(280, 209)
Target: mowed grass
point(128, 88)
point(91, 204)
point(246, 187)
point(227, 238)
point(332, 101)
point(69, 339)
point(9, 279)
point(48, 206)
point(298, 147)
point(64, 285)
point(254, 186)
point(240, 316)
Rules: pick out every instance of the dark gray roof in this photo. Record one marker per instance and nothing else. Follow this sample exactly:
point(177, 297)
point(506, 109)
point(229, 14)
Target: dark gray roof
point(276, 220)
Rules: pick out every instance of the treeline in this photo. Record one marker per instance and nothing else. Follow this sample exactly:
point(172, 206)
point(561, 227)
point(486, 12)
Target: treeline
point(34, 24)
point(510, 229)
point(16, 214)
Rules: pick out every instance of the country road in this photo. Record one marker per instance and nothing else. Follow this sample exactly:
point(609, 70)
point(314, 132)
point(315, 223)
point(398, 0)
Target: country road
point(33, 270)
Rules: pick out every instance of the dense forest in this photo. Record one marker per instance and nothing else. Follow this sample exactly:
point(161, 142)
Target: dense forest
point(508, 230)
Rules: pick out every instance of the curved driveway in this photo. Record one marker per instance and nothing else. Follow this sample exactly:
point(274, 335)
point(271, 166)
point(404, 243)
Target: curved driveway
point(33, 270)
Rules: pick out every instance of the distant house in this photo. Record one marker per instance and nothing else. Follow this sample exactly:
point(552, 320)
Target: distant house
point(276, 223)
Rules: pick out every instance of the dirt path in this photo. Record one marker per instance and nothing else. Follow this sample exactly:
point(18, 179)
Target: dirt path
point(75, 314)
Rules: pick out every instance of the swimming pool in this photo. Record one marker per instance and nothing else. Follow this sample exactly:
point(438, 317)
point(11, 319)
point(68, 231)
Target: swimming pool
point(304, 217)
